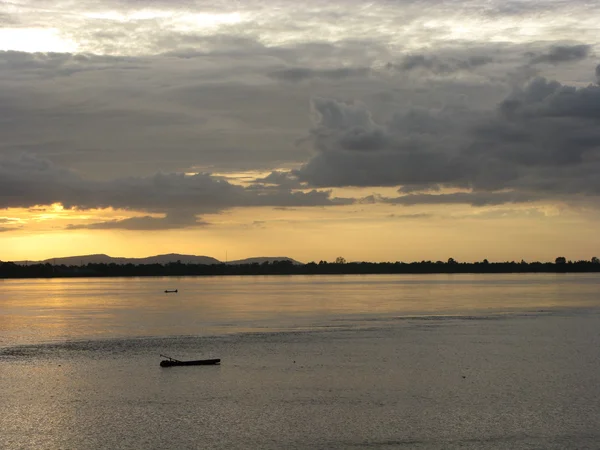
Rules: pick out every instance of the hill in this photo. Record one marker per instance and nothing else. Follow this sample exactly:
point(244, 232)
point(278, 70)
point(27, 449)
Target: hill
point(83, 260)
point(105, 259)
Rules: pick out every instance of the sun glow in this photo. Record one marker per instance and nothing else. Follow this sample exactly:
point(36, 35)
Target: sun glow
point(35, 40)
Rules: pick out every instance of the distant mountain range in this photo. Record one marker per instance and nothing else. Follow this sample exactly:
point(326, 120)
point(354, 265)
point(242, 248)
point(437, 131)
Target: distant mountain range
point(158, 259)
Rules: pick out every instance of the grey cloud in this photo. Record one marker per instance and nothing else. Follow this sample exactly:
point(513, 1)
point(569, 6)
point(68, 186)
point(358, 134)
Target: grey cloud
point(543, 141)
point(282, 179)
point(210, 99)
point(49, 65)
point(385, 157)
point(188, 46)
point(516, 8)
point(333, 114)
point(562, 53)
point(98, 114)
point(470, 198)
point(28, 181)
point(297, 74)
point(598, 74)
point(441, 66)
point(548, 123)
point(145, 223)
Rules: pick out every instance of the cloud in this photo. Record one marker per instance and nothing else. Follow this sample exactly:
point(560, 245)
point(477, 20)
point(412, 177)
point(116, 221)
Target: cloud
point(353, 150)
point(7, 221)
point(298, 74)
point(410, 216)
point(441, 66)
point(469, 198)
point(143, 94)
point(28, 181)
point(124, 27)
point(145, 223)
point(281, 178)
point(551, 99)
point(562, 54)
point(542, 141)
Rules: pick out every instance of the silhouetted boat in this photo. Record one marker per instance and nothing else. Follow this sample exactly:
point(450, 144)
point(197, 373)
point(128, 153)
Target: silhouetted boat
point(170, 362)
point(172, 291)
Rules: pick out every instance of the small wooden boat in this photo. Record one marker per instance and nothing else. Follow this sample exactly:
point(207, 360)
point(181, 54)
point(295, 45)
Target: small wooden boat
point(170, 362)
point(172, 291)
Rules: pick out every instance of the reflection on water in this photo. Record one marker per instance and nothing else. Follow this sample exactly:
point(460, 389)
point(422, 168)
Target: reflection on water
point(336, 362)
point(34, 311)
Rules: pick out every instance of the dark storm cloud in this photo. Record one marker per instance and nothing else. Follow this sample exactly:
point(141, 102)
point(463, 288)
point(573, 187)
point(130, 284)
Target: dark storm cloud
point(562, 54)
point(353, 150)
point(542, 141)
point(548, 99)
point(27, 181)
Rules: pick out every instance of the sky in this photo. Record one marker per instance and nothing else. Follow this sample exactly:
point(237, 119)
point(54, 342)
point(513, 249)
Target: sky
point(390, 130)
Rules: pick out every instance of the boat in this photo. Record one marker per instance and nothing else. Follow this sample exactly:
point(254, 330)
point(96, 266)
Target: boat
point(172, 291)
point(171, 362)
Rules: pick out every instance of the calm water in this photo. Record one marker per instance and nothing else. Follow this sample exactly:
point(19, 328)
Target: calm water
point(460, 361)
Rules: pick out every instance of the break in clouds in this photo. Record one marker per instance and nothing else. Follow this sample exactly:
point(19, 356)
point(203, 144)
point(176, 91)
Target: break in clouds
point(149, 109)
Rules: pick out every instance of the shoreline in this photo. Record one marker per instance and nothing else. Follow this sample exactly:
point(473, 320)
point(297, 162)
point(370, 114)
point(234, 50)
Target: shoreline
point(29, 272)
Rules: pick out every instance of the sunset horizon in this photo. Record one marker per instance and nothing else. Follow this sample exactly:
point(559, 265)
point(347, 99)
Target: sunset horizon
point(430, 167)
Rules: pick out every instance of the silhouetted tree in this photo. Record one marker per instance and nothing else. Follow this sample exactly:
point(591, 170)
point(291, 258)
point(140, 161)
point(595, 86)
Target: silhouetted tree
point(560, 260)
point(595, 260)
point(340, 260)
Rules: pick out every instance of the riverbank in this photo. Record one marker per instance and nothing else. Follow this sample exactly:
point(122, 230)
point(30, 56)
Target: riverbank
point(12, 270)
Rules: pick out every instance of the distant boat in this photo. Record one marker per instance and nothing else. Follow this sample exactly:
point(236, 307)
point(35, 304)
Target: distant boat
point(172, 291)
point(170, 362)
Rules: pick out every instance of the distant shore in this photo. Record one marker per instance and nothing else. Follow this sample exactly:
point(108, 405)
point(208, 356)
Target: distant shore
point(12, 270)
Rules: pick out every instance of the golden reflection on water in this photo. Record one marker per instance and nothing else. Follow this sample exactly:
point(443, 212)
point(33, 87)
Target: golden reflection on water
point(43, 310)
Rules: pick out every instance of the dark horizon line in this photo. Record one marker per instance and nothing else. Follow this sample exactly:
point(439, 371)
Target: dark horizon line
point(287, 267)
point(249, 260)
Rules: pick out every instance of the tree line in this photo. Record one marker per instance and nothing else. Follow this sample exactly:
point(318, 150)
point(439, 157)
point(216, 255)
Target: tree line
point(286, 267)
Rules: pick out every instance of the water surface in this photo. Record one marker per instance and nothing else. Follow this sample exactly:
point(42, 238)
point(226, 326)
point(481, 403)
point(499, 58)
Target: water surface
point(332, 362)
point(42, 310)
